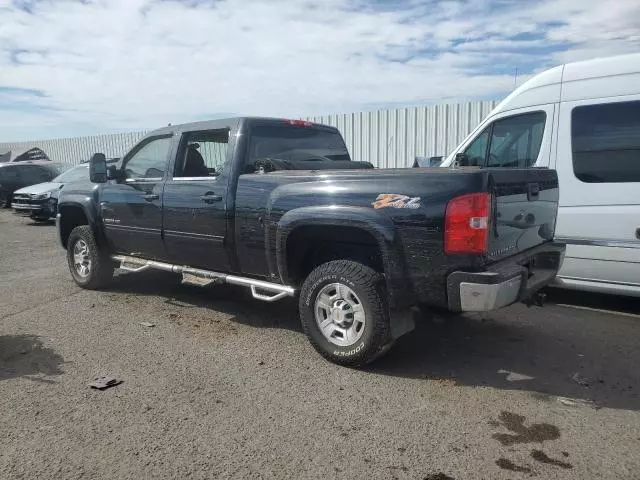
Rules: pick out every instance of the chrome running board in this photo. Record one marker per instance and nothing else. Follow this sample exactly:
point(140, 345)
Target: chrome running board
point(261, 290)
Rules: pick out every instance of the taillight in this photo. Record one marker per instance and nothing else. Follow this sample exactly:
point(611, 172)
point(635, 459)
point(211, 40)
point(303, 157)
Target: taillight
point(466, 224)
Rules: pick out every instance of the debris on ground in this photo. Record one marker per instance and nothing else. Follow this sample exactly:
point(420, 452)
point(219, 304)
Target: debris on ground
point(515, 376)
point(147, 324)
point(102, 383)
point(575, 402)
point(580, 380)
point(260, 362)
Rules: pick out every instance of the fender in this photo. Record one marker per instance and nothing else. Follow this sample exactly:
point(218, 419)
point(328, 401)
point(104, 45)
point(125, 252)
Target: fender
point(380, 226)
point(88, 202)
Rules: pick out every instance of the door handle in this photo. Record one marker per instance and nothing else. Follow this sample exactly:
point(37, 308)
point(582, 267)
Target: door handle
point(533, 190)
point(210, 197)
point(149, 197)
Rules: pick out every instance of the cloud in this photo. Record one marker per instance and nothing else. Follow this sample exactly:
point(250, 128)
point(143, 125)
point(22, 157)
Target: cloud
point(106, 65)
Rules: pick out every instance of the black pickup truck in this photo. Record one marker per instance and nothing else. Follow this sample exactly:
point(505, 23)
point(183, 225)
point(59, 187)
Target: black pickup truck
point(278, 206)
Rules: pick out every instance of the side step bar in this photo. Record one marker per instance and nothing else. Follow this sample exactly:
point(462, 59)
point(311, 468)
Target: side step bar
point(261, 290)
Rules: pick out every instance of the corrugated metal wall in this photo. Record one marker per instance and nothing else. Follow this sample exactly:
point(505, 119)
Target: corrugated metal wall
point(386, 138)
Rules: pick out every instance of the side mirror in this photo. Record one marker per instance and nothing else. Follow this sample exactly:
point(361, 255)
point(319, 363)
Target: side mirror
point(435, 161)
point(462, 159)
point(98, 168)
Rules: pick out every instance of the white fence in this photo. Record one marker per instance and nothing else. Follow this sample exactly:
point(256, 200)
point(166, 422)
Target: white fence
point(386, 138)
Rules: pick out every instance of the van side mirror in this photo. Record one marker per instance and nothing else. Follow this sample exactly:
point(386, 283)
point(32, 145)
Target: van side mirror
point(98, 168)
point(462, 160)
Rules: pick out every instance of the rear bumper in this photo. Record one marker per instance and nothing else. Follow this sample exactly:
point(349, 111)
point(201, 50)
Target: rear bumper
point(506, 282)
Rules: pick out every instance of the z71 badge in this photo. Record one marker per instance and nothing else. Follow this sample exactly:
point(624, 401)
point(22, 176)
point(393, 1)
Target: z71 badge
point(393, 200)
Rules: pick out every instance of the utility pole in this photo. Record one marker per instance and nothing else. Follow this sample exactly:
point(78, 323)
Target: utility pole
point(515, 79)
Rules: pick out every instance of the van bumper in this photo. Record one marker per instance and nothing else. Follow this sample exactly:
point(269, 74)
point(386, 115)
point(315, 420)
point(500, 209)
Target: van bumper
point(512, 280)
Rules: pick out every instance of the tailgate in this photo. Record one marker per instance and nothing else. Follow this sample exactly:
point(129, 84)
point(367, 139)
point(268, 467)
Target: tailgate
point(525, 205)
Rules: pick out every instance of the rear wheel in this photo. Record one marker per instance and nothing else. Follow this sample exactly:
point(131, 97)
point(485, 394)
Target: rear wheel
point(344, 313)
point(90, 267)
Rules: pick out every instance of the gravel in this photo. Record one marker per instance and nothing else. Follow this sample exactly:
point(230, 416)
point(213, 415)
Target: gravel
point(226, 386)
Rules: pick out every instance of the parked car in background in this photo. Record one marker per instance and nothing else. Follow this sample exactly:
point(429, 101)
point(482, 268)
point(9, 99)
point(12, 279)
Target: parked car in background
point(583, 120)
point(14, 176)
point(24, 155)
point(40, 201)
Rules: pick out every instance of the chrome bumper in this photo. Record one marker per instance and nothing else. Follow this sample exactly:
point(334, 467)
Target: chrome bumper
point(515, 279)
point(481, 297)
point(26, 208)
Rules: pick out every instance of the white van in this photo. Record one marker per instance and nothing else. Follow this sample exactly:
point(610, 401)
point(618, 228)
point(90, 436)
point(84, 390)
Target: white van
point(582, 119)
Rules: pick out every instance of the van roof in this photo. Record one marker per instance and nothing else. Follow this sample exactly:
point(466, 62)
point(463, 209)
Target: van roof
point(544, 87)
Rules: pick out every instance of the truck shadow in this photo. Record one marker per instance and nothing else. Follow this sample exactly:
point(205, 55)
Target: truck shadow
point(556, 353)
point(236, 302)
point(25, 356)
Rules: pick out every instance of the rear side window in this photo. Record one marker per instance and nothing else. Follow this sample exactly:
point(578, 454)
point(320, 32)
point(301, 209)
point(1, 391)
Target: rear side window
point(605, 142)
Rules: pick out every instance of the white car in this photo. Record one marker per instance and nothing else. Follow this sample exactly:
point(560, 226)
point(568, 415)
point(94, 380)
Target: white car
point(582, 119)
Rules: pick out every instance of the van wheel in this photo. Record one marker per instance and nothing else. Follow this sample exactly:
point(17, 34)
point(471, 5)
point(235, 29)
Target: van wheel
point(90, 267)
point(344, 313)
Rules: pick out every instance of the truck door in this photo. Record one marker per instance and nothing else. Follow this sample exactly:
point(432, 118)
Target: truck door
point(598, 165)
point(195, 201)
point(131, 207)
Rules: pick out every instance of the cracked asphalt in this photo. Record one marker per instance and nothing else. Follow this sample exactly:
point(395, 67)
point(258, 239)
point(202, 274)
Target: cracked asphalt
point(224, 386)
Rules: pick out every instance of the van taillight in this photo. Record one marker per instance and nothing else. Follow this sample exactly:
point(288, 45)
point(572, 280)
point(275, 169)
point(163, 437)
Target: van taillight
point(466, 224)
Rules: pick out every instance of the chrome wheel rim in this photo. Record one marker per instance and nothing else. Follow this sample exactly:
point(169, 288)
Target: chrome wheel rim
point(81, 260)
point(339, 314)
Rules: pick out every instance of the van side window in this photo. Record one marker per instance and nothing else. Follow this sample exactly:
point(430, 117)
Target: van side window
point(515, 141)
point(512, 142)
point(605, 142)
point(476, 152)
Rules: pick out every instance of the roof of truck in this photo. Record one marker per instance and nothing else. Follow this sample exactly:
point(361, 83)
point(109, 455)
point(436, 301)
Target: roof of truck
point(225, 123)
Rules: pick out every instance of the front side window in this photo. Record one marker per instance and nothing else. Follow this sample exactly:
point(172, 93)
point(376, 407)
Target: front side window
point(512, 142)
point(203, 154)
point(475, 153)
point(516, 141)
point(605, 142)
point(150, 161)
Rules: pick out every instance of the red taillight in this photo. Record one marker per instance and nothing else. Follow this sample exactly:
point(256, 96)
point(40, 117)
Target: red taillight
point(466, 224)
point(299, 123)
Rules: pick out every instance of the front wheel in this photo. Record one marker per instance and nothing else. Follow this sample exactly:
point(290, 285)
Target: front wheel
point(344, 313)
point(90, 267)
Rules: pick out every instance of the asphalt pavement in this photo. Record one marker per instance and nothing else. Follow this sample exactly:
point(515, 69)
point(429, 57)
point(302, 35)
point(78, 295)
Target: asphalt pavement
point(224, 386)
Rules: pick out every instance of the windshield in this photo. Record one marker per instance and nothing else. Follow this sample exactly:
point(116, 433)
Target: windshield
point(74, 174)
point(296, 143)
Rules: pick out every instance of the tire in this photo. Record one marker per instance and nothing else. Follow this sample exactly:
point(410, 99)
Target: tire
point(356, 320)
point(5, 200)
point(99, 267)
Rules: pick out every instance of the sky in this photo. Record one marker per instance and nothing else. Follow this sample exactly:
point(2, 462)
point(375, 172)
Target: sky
point(80, 67)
